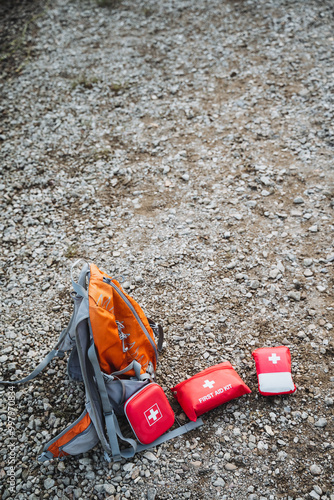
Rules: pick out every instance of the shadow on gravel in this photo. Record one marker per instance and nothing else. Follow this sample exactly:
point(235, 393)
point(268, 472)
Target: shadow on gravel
point(17, 32)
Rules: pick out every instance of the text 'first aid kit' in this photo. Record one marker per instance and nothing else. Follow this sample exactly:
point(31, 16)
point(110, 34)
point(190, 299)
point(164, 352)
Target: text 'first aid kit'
point(208, 389)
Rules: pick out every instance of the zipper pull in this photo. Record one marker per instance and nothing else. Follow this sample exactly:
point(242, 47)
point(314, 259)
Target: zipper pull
point(122, 335)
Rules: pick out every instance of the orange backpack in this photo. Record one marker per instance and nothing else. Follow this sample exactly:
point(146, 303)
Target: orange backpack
point(114, 352)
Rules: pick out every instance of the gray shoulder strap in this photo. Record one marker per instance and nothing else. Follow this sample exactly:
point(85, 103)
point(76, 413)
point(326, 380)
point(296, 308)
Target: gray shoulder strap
point(108, 411)
point(79, 287)
point(165, 437)
point(134, 365)
point(37, 370)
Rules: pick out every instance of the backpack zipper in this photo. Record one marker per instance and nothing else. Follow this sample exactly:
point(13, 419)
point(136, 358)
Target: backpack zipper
point(134, 312)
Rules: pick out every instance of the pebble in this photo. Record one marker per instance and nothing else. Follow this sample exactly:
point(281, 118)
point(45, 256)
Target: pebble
point(274, 273)
point(109, 488)
point(269, 430)
point(307, 262)
point(219, 482)
point(322, 422)
point(298, 200)
point(294, 295)
point(61, 466)
point(230, 467)
point(150, 456)
point(49, 483)
point(314, 494)
point(151, 493)
point(315, 470)
point(264, 192)
point(77, 492)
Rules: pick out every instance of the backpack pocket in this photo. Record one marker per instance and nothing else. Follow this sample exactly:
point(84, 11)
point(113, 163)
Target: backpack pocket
point(77, 438)
point(120, 391)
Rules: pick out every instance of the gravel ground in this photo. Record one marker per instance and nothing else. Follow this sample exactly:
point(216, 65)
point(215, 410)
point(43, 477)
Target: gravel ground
point(187, 145)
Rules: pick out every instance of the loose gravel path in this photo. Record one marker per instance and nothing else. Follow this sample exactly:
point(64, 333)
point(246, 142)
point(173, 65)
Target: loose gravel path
point(187, 145)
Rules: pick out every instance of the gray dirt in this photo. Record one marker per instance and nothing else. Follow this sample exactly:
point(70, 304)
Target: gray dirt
point(187, 145)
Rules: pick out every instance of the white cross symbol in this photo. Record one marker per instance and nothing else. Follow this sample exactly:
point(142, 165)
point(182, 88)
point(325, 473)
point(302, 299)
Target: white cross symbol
point(209, 384)
point(153, 415)
point(274, 358)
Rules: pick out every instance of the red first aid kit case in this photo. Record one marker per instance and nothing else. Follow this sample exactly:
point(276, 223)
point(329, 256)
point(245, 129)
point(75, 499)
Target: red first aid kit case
point(208, 389)
point(273, 368)
point(149, 413)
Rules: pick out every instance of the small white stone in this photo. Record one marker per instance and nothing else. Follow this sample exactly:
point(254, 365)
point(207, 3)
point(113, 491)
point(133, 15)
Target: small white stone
point(149, 455)
point(268, 430)
point(264, 192)
point(322, 422)
point(219, 482)
point(61, 466)
point(49, 483)
point(274, 273)
point(294, 295)
point(109, 488)
point(315, 470)
point(230, 466)
point(307, 262)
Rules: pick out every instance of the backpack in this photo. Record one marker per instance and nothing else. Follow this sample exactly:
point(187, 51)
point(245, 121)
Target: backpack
point(114, 352)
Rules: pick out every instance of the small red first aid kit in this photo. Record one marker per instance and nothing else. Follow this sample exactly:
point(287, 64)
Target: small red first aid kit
point(149, 413)
point(273, 368)
point(208, 389)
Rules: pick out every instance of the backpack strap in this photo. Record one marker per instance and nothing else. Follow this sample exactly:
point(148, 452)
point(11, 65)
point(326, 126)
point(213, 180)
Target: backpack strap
point(134, 365)
point(56, 352)
point(111, 421)
point(165, 437)
point(52, 354)
point(79, 287)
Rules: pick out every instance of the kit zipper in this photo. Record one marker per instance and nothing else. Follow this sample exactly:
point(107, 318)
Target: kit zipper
point(134, 312)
